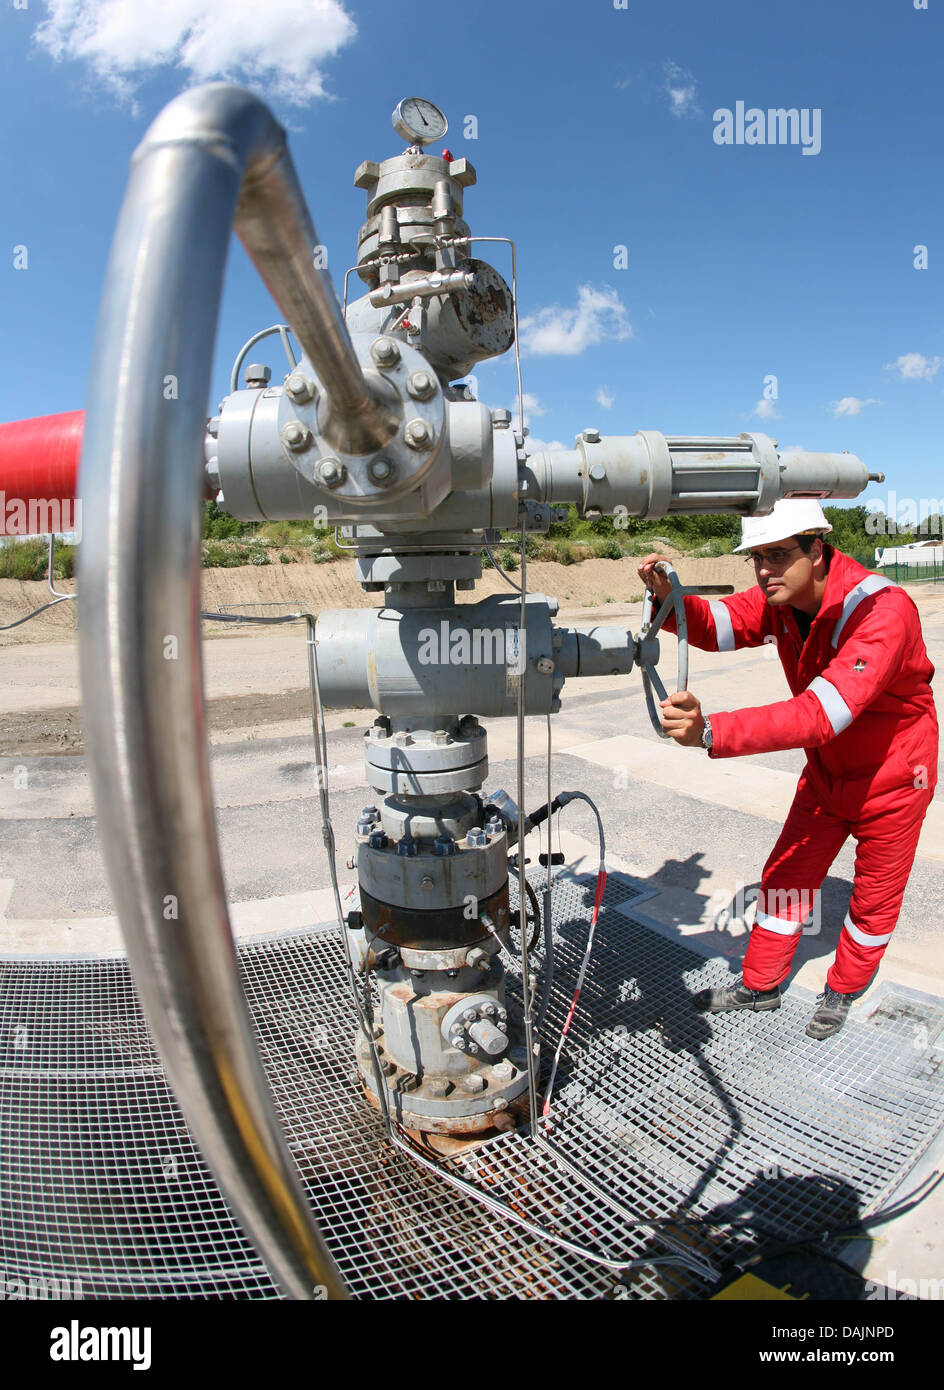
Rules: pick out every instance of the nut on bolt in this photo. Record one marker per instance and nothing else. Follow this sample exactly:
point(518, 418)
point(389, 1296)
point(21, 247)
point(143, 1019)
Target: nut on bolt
point(381, 471)
point(418, 434)
point(298, 388)
point(330, 472)
point(257, 374)
point(385, 352)
point(295, 435)
point(591, 436)
point(421, 385)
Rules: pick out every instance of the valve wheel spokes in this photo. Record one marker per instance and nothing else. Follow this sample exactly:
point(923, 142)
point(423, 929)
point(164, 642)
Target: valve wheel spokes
point(647, 648)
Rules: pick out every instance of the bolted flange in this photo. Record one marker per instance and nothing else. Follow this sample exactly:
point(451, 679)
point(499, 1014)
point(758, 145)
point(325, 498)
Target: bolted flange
point(385, 352)
point(296, 436)
point(330, 472)
point(298, 388)
point(421, 385)
point(381, 471)
point(418, 434)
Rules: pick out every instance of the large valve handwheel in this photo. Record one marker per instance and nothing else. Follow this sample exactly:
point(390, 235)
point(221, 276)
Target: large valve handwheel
point(647, 643)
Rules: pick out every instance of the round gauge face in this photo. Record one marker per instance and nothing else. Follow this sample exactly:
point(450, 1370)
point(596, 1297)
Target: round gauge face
point(419, 121)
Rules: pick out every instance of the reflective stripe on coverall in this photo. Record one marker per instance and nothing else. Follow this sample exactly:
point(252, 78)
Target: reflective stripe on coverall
point(863, 711)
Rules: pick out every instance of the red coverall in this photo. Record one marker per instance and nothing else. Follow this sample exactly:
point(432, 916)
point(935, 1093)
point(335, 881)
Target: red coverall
point(864, 713)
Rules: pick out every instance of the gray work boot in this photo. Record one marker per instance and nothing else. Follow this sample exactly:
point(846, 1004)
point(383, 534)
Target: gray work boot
point(832, 1010)
point(722, 1001)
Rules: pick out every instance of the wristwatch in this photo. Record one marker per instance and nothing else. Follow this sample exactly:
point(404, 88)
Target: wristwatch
point(706, 735)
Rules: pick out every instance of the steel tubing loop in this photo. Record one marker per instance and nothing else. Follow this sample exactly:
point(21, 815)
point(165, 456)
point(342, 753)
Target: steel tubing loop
point(214, 158)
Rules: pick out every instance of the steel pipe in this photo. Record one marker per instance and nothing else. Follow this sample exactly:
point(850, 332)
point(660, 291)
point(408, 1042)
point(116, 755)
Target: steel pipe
point(214, 155)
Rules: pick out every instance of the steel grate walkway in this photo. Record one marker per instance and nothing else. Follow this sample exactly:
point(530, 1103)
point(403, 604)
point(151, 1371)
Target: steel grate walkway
point(679, 1117)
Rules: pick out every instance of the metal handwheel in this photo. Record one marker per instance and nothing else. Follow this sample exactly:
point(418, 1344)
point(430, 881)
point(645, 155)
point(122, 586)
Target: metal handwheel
point(647, 645)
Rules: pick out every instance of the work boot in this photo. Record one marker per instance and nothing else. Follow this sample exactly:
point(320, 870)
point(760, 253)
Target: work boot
point(722, 1001)
point(832, 1010)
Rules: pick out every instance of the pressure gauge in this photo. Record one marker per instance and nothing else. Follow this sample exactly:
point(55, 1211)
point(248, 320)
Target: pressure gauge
point(419, 121)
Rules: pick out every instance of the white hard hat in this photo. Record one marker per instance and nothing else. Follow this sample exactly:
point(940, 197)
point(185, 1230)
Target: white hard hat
point(791, 516)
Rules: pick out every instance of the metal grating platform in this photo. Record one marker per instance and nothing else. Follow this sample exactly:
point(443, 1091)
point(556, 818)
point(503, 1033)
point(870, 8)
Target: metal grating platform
point(678, 1116)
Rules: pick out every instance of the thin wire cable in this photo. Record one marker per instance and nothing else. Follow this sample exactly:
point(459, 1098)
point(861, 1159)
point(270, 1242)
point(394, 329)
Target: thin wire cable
point(283, 330)
point(59, 596)
point(495, 565)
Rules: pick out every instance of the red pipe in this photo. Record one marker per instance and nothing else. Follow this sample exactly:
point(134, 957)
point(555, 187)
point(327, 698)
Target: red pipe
point(39, 464)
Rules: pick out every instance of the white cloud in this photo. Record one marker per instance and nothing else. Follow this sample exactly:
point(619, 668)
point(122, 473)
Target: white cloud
point(604, 398)
point(278, 47)
point(682, 90)
point(557, 331)
point(911, 366)
point(532, 406)
point(851, 405)
point(766, 410)
point(541, 446)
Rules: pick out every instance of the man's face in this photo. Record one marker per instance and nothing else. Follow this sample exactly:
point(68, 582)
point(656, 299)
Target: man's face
point(783, 571)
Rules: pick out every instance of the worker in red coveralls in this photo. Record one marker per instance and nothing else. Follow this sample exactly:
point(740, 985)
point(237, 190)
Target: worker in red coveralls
point(862, 709)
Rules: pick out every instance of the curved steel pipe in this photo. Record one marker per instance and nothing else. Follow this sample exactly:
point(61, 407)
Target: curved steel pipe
point(214, 154)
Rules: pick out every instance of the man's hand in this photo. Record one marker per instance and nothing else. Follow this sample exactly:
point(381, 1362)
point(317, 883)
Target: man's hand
point(655, 579)
point(682, 718)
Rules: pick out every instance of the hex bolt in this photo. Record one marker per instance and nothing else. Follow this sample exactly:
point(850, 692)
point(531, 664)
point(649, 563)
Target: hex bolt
point(426, 882)
point(503, 1071)
point(406, 847)
point(295, 435)
point(489, 1010)
point(331, 472)
point(418, 434)
point(299, 389)
point(388, 1068)
point(597, 472)
point(476, 838)
point(474, 1083)
point(385, 352)
point(381, 471)
point(469, 1016)
point(257, 374)
point(502, 1026)
point(501, 418)
point(438, 1086)
point(378, 839)
point(591, 436)
point(460, 1044)
point(444, 847)
point(421, 385)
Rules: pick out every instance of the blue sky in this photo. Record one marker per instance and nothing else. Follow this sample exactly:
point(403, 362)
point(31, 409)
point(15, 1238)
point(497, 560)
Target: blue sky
point(595, 129)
